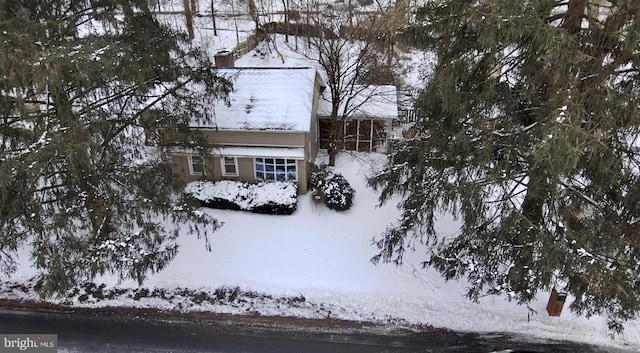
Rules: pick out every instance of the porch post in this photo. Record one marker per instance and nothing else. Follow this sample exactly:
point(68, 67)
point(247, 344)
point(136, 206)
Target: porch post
point(358, 135)
point(371, 136)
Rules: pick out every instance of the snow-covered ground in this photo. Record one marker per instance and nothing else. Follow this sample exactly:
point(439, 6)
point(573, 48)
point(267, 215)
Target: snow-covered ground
point(315, 264)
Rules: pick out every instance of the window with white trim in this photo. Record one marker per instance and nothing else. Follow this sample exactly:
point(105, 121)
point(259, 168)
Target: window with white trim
point(280, 169)
point(229, 166)
point(196, 165)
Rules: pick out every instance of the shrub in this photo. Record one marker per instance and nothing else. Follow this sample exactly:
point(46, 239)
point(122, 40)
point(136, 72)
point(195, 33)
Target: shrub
point(273, 198)
point(338, 193)
point(221, 204)
point(318, 174)
point(264, 197)
point(331, 188)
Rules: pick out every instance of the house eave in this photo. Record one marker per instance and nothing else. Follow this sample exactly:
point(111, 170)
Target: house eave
point(245, 151)
point(268, 130)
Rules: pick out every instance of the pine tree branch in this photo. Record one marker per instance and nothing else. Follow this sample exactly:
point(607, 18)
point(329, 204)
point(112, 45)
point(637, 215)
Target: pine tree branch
point(136, 116)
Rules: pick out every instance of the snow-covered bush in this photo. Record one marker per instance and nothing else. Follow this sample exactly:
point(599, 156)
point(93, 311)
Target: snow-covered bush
point(225, 194)
point(264, 197)
point(331, 188)
point(318, 174)
point(278, 197)
point(338, 193)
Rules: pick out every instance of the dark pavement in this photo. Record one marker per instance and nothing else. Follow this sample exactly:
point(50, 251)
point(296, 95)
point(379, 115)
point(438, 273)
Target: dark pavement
point(133, 330)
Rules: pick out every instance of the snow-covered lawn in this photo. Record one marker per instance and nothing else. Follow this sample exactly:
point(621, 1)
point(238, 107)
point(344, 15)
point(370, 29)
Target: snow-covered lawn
point(315, 264)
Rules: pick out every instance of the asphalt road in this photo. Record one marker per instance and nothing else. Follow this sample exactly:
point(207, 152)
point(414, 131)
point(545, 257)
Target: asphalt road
point(103, 331)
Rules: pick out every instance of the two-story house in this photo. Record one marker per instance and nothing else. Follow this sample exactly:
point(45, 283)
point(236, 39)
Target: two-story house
point(266, 129)
point(270, 125)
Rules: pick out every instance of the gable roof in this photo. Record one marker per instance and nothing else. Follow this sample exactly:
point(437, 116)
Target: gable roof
point(369, 101)
point(266, 99)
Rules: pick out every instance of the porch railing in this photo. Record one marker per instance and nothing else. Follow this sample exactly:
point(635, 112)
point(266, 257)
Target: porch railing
point(408, 115)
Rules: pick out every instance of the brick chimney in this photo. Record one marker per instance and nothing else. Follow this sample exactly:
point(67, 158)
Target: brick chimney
point(224, 59)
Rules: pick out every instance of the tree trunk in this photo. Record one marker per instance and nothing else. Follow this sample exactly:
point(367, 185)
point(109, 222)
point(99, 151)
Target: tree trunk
point(79, 164)
point(253, 12)
point(336, 134)
point(576, 10)
point(285, 3)
point(213, 19)
point(333, 153)
point(400, 14)
point(532, 208)
point(189, 18)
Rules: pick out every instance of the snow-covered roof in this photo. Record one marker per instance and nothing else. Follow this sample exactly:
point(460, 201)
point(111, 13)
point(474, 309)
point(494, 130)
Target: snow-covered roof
point(266, 99)
point(373, 101)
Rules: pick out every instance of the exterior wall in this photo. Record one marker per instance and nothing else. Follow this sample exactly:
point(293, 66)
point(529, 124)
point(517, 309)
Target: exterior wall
point(312, 142)
point(181, 168)
point(310, 154)
point(216, 169)
point(313, 135)
point(302, 177)
point(255, 138)
point(246, 170)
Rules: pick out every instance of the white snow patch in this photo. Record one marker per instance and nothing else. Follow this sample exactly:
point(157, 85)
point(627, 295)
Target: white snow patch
point(323, 256)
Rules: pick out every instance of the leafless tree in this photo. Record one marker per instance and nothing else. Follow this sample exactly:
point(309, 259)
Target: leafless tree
point(349, 52)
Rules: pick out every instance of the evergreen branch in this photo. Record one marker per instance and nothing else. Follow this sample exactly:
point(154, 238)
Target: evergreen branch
point(140, 111)
point(123, 93)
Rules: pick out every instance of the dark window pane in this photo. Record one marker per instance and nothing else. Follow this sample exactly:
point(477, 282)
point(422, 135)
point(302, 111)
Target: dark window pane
point(350, 145)
point(198, 169)
point(325, 128)
point(268, 160)
point(291, 161)
point(260, 175)
point(230, 165)
point(364, 146)
point(365, 129)
point(269, 176)
point(197, 165)
point(269, 168)
point(279, 161)
point(259, 167)
point(352, 128)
